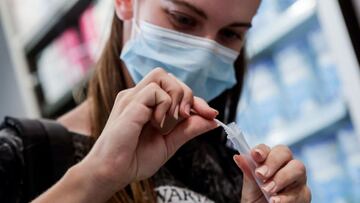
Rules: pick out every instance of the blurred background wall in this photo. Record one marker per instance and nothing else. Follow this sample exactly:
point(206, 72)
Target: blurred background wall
point(11, 100)
point(302, 87)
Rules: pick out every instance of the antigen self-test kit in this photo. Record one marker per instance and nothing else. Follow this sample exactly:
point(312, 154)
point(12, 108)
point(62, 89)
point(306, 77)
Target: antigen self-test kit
point(238, 140)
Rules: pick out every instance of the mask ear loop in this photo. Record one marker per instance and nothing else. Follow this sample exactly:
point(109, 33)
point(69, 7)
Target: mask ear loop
point(135, 27)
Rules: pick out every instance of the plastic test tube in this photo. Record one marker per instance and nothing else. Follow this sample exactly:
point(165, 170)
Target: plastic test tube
point(238, 140)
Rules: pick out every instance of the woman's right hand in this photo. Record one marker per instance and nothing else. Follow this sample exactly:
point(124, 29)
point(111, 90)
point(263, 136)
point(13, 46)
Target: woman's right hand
point(132, 145)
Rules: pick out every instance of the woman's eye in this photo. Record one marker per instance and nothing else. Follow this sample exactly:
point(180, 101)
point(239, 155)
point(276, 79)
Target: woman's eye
point(229, 35)
point(182, 21)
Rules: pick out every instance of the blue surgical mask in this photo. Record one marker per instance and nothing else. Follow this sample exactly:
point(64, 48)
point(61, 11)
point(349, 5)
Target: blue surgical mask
point(204, 65)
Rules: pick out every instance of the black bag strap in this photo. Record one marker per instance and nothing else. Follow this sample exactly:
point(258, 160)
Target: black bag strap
point(48, 153)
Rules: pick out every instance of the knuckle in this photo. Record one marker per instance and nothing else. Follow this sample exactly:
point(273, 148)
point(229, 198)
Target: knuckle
point(158, 71)
point(285, 150)
point(188, 91)
point(189, 98)
point(178, 89)
point(262, 147)
point(121, 96)
point(300, 167)
point(176, 93)
point(153, 85)
point(190, 94)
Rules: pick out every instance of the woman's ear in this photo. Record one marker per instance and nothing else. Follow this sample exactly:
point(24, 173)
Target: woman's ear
point(124, 9)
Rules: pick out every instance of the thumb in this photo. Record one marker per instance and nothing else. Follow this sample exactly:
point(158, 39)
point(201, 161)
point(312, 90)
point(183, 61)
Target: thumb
point(187, 130)
point(249, 184)
point(250, 190)
point(203, 109)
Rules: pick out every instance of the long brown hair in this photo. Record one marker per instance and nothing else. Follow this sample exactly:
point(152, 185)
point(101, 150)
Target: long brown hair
point(108, 79)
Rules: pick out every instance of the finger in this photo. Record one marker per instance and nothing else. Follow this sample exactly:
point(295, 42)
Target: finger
point(276, 159)
point(260, 152)
point(168, 84)
point(242, 163)
point(121, 101)
point(203, 109)
point(301, 194)
point(155, 97)
point(288, 198)
point(292, 173)
point(187, 100)
point(249, 184)
point(187, 130)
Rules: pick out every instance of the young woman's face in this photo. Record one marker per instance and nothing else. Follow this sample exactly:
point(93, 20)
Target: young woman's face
point(224, 21)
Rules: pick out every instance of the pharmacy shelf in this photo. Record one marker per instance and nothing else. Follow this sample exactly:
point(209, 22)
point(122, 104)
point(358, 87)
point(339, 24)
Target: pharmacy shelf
point(308, 125)
point(60, 107)
point(21, 87)
point(352, 21)
point(71, 98)
point(298, 14)
point(67, 15)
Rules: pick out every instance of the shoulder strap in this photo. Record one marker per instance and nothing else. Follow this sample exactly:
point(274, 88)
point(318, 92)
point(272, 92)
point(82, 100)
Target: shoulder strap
point(48, 153)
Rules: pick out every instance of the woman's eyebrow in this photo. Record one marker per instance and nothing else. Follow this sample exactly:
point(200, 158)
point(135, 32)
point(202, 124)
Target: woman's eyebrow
point(201, 13)
point(241, 24)
point(195, 9)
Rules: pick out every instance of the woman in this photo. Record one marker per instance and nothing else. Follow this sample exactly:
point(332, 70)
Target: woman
point(202, 170)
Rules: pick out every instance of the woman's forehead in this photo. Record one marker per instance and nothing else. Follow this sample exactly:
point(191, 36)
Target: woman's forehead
point(225, 9)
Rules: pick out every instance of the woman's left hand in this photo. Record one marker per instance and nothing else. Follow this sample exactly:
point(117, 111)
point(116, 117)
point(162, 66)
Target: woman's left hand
point(284, 177)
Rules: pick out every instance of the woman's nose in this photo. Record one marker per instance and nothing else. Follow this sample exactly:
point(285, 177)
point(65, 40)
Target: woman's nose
point(210, 36)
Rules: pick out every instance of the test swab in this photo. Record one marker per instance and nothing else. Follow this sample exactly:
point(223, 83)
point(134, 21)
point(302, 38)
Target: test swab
point(237, 138)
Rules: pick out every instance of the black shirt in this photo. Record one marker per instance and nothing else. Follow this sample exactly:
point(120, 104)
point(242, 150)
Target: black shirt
point(201, 171)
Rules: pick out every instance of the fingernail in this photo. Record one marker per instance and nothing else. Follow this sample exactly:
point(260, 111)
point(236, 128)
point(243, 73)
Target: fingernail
point(262, 171)
point(216, 112)
point(162, 122)
point(258, 153)
point(269, 186)
point(176, 113)
point(193, 111)
point(275, 200)
point(236, 161)
point(187, 110)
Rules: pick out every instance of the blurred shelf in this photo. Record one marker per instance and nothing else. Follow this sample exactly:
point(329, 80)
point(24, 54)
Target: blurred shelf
point(308, 125)
point(69, 100)
point(60, 107)
point(67, 15)
point(299, 13)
